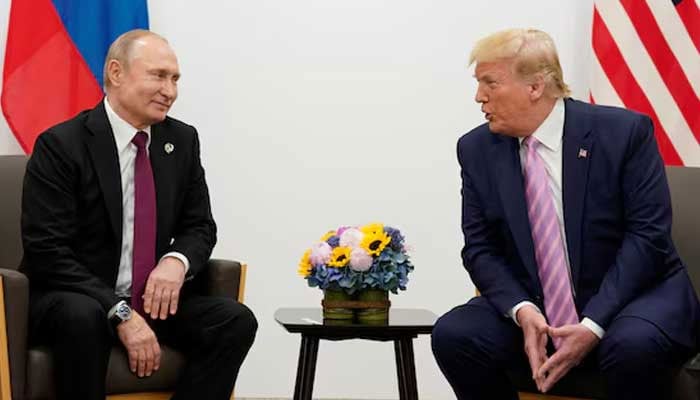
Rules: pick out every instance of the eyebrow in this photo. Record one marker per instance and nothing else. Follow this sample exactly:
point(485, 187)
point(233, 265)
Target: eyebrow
point(159, 70)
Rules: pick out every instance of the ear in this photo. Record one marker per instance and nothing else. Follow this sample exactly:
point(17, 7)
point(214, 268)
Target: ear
point(115, 72)
point(536, 87)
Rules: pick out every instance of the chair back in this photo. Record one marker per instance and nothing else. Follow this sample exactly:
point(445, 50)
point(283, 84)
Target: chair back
point(684, 183)
point(11, 178)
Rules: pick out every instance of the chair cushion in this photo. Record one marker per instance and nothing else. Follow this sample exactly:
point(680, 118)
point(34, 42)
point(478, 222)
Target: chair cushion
point(40, 382)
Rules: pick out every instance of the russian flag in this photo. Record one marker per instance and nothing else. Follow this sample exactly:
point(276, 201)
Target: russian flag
point(54, 57)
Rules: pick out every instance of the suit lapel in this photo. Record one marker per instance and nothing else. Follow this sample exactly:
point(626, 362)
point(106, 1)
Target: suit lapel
point(103, 151)
point(164, 175)
point(507, 174)
point(577, 152)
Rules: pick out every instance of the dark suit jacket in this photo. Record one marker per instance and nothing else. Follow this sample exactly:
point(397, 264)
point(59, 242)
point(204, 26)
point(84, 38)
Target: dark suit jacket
point(72, 204)
point(617, 215)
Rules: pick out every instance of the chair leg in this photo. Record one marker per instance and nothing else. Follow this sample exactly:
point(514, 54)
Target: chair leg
point(5, 384)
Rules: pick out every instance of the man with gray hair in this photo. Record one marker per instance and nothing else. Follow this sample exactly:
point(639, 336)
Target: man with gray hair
point(117, 226)
point(566, 218)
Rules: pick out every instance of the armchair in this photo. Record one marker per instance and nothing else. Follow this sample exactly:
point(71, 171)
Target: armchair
point(684, 183)
point(26, 373)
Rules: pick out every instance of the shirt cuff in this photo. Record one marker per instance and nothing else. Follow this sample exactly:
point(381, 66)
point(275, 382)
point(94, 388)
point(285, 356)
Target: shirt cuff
point(595, 328)
point(180, 257)
point(514, 311)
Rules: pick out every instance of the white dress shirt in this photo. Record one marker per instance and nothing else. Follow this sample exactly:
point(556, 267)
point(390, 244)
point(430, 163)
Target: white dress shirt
point(550, 135)
point(123, 134)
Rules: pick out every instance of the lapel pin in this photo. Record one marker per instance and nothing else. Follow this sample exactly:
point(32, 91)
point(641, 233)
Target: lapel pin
point(582, 153)
point(169, 148)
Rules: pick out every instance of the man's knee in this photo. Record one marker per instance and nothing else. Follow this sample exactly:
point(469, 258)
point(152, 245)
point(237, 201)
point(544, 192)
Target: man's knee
point(77, 315)
point(630, 346)
point(238, 322)
point(457, 334)
point(447, 335)
point(245, 324)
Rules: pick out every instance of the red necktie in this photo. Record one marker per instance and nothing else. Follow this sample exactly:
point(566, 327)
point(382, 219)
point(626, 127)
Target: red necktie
point(144, 249)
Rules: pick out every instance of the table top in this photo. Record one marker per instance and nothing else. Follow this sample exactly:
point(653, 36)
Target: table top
point(402, 322)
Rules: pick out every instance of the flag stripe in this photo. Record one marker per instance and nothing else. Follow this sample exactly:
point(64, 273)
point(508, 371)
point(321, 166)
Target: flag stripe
point(681, 43)
point(622, 79)
point(46, 73)
point(668, 67)
point(85, 23)
point(602, 90)
point(690, 15)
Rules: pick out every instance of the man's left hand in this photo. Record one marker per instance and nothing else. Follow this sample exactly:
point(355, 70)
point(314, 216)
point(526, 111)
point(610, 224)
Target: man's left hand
point(576, 342)
point(163, 288)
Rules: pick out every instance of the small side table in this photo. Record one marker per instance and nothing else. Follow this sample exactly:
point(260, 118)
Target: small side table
point(403, 325)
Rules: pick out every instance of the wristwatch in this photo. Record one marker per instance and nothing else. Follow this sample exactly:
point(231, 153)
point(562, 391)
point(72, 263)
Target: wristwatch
point(119, 313)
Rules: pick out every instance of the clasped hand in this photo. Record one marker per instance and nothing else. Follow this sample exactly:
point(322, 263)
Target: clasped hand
point(576, 342)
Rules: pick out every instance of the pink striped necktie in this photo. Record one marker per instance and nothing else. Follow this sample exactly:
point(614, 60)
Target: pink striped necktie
point(547, 238)
point(144, 250)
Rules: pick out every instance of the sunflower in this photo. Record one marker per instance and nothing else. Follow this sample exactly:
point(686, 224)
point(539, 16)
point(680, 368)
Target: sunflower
point(375, 243)
point(372, 229)
point(340, 257)
point(305, 264)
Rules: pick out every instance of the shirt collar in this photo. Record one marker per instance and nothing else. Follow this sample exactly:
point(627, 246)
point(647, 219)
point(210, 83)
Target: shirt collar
point(122, 130)
point(550, 132)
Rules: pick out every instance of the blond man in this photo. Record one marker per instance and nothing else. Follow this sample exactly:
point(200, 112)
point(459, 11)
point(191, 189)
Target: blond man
point(566, 218)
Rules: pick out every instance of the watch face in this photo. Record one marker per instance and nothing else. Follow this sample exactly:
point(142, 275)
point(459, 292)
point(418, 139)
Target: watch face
point(124, 312)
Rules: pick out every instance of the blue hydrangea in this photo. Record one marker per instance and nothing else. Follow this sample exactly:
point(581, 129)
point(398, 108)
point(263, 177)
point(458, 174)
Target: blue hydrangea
point(397, 238)
point(333, 241)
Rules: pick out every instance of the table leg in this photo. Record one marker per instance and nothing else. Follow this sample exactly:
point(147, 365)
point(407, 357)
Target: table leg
point(406, 369)
point(306, 368)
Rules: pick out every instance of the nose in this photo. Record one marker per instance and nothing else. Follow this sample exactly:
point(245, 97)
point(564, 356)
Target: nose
point(169, 89)
point(480, 96)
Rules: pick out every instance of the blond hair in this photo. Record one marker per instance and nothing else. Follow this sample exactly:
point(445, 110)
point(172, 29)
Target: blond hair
point(122, 48)
point(533, 53)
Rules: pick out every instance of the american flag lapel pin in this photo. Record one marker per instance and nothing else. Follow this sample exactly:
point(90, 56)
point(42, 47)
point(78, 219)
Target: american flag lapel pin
point(582, 153)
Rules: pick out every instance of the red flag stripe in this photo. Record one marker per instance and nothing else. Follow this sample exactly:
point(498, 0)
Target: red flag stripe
point(665, 61)
point(690, 15)
point(625, 84)
point(46, 80)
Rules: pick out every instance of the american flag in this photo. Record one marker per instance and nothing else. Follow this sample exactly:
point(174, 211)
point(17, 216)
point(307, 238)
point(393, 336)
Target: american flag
point(647, 58)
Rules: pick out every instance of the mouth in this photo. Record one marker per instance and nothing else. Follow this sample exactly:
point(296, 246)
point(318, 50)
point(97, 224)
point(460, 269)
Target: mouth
point(488, 116)
point(162, 105)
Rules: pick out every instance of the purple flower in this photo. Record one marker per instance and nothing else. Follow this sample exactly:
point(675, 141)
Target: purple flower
point(351, 237)
point(360, 260)
point(320, 254)
point(333, 241)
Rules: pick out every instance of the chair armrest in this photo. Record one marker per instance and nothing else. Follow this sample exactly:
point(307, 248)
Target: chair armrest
point(15, 288)
point(226, 278)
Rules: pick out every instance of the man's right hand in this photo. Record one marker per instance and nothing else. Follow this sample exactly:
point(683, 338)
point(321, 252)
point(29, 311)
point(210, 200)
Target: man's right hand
point(141, 345)
point(534, 328)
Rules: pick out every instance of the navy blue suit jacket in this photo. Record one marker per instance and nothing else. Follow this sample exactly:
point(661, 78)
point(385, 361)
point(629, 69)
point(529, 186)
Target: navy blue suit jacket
point(617, 215)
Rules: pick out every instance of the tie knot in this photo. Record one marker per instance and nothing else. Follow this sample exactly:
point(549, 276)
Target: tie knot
point(140, 140)
point(531, 142)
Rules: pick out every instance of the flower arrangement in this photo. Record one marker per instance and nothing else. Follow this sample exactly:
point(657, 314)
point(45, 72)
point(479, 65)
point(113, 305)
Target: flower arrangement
point(353, 259)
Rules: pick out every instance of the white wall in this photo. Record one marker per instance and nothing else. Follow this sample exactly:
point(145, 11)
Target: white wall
point(317, 113)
